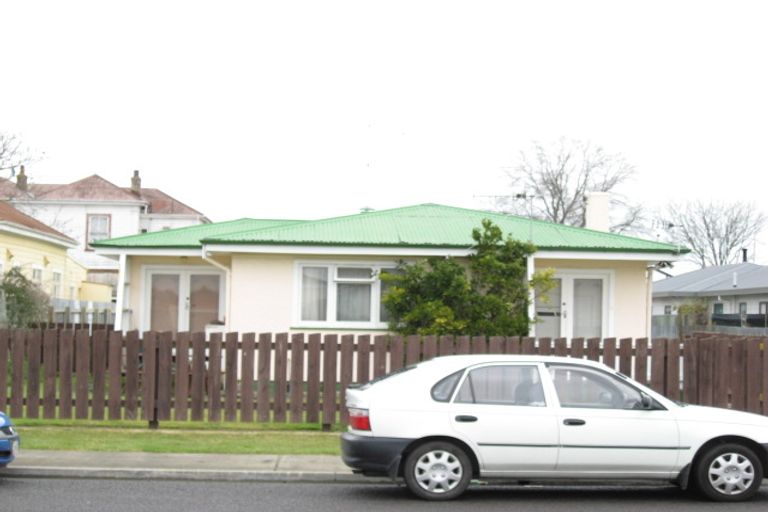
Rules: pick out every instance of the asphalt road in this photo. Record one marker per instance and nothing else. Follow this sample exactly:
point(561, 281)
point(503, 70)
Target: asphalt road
point(64, 495)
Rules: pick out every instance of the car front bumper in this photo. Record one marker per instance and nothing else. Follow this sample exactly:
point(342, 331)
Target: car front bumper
point(373, 456)
point(9, 448)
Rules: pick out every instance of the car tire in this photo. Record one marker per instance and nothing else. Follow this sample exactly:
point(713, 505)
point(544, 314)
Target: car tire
point(437, 471)
point(728, 472)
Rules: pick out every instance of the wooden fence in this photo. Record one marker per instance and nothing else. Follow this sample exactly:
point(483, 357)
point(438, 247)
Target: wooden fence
point(301, 378)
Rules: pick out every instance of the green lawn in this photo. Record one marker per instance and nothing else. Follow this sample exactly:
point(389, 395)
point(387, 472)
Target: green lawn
point(184, 438)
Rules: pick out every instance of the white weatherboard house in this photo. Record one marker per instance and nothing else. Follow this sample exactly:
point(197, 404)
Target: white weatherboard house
point(254, 275)
point(93, 209)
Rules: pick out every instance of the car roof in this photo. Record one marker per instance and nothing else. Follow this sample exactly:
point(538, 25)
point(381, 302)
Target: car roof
point(463, 361)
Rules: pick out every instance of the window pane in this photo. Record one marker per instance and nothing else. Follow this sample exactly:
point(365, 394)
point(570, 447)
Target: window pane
point(353, 302)
point(353, 273)
point(443, 390)
point(164, 314)
point(503, 385)
point(549, 313)
point(56, 285)
point(587, 308)
point(98, 227)
point(581, 387)
point(314, 293)
point(203, 301)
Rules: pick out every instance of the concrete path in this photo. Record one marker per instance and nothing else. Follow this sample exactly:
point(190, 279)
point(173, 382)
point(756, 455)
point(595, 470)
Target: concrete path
point(273, 468)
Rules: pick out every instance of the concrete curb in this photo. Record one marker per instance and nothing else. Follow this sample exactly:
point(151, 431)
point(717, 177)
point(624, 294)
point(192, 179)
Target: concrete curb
point(187, 474)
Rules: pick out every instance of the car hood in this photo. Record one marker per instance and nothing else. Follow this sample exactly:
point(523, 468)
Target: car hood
point(718, 415)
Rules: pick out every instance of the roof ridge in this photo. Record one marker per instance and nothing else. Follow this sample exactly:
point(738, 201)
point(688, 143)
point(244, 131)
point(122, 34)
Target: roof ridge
point(76, 182)
point(166, 194)
point(554, 225)
point(340, 217)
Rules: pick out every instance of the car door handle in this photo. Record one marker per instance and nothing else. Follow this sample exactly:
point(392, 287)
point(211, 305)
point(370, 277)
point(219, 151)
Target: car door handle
point(574, 422)
point(466, 419)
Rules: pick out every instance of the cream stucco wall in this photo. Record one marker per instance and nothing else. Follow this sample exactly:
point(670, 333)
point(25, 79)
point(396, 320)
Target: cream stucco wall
point(262, 293)
point(631, 297)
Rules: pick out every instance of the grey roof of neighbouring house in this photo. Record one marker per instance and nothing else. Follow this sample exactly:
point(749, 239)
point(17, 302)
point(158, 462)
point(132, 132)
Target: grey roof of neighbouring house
point(750, 278)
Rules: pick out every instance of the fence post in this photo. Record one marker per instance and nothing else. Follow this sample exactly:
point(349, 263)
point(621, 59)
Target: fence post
point(150, 379)
point(330, 349)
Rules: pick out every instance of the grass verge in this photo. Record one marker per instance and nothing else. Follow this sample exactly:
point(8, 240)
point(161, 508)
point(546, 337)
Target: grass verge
point(172, 438)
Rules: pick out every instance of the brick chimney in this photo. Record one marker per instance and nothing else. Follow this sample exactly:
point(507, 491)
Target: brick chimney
point(136, 183)
point(21, 180)
point(596, 214)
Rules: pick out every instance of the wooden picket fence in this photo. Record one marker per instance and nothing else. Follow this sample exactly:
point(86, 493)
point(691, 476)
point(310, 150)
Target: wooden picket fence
point(298, 378)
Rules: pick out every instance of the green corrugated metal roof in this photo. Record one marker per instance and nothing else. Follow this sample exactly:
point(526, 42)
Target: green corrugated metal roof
point(189, 237)
point(432, 225)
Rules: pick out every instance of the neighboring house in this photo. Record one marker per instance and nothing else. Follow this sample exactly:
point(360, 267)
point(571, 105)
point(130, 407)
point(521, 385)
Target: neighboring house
point(41, 253)
point(270, 275)
point(735, 289)
point(93, 209)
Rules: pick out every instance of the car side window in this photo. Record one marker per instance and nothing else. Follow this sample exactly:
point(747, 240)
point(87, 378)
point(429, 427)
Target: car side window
point(503, 385)
point(586, 387)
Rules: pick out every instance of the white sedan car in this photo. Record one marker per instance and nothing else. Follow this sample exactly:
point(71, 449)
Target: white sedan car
point(444, 422)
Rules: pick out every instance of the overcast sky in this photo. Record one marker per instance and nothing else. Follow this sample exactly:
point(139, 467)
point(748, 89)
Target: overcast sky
point(310, 109)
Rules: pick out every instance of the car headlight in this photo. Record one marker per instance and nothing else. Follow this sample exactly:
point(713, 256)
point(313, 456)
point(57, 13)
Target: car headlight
point(8, 430)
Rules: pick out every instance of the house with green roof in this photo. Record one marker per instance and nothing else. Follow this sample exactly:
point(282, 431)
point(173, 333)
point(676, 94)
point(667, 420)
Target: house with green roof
point(253, 275)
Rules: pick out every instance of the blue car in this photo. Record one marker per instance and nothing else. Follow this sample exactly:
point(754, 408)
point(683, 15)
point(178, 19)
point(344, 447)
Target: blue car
point(9, 441)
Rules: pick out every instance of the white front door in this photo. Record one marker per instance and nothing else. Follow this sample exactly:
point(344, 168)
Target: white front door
point(579, 306)
point(183, 300)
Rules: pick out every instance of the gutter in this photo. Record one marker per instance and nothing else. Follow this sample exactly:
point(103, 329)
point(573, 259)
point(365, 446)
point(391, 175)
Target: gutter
point(228, 278)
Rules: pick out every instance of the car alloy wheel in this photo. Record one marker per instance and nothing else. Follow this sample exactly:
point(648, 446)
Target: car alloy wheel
point(438, 471)
point(729, 472)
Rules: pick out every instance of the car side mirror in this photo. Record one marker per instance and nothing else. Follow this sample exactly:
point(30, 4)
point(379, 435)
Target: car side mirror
point(646, 401)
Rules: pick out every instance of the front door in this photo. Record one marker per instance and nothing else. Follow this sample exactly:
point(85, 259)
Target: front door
point(578, 306)
point(501, 409)
point(184, 300)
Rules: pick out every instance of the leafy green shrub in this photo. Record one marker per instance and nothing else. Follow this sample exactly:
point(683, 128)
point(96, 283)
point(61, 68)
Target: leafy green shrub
point(487, 295)
point(23, 301)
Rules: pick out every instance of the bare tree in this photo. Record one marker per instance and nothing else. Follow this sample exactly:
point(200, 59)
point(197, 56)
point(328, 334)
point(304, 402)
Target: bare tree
point(714, 231)
point(13, 153)
point(551, 183)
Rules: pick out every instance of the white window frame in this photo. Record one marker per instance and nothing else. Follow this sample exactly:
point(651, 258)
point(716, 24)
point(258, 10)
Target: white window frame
point(88, 233)
point(333, 266)
point(32, 270)
point(147, 271)
point(60, 283)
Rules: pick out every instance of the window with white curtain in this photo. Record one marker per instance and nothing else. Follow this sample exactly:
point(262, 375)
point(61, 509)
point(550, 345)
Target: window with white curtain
point(314, 293)
point(99, 227)
point(343, 294)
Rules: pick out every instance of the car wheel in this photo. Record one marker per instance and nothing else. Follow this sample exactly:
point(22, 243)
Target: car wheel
point(437, 471)
point(728, 472)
